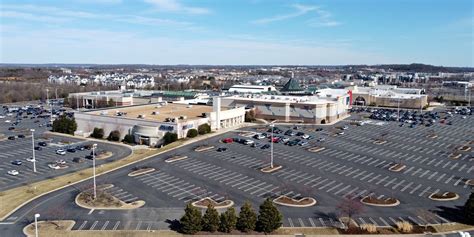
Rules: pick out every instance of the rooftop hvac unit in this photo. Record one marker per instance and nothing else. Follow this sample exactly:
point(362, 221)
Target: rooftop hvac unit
point(141, 116)
point(155, 113)
point(183, 117)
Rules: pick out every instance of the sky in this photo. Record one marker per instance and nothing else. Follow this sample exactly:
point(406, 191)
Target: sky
point(238, 32)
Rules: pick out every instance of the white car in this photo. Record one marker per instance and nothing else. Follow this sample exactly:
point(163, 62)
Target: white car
point(61, 152)
point(340, 133)
point(259, 136)
point(2, 117)
point(306, 136)
point(463, 117)
point(54, 166)
point(61, 162)
point(8, 121)
point(30, 159)
point(13, 172)
point(249, 142)
point(345, 127)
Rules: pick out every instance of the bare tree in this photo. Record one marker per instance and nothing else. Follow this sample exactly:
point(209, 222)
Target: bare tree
point(349, 207)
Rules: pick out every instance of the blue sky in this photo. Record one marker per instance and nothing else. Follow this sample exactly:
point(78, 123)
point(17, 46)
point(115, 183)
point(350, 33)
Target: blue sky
point(312, 32)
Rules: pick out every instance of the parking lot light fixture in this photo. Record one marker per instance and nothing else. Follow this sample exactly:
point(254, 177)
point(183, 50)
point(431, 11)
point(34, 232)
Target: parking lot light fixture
point(33, 146)
point(94, 146)
point(271, 146)
point(36, 224)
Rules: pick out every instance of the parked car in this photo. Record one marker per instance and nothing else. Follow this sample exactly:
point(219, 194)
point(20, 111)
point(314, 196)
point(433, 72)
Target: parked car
point(17, 162)
point(60, 152)
point(89, 157)
point(80, 148)
point(259, 136)
point(21, 136)
point(318, 129)
point(11, 138)
point(299, 133)
point(77, 160)
point(221, 149)
point(266, 146)
point(38, 148)
point(42, 144)
point(248, 142)
point(61, 162)
point(54, 166)
point(340, 133)
point(30, 159)
point(227, 140)
point(13, 172)
point(71, 149)
point(305, 136)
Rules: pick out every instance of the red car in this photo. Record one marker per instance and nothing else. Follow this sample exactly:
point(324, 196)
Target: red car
point(275, 139)
point(227, 140)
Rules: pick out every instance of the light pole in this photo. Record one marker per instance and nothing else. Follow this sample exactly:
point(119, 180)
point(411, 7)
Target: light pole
point(50, 106)
point(398, 109)
point(94, 146)
point(271, 147)
point(36, 224)
point(33, 146)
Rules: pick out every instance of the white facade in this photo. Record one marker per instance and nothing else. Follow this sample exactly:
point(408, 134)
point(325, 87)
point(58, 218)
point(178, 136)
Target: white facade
point(251, 89)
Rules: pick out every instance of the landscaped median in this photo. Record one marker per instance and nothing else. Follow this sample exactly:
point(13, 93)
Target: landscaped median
point(205, 202)
point(141, 171)
point(316, 149)
point(380, 202)
point(49, 228)
point(290, 202)
point(104, 200)
point(203, 148)
point(175, 158)
point(397, 167)
point(446, 196)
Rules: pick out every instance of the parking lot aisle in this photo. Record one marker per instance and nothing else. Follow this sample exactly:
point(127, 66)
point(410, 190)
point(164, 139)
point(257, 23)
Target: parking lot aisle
point(174, 187)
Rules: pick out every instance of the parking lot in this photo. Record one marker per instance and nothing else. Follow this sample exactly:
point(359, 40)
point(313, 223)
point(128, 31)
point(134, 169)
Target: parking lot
point(16, 152)
point(350, 166)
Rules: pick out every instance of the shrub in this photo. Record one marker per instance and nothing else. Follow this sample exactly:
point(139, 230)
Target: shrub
point(204, 128)
point(210, 220)
point(249, 116)
point(269, 217)
point(370, 228)
point(114, 136)
point(228, 220)
point(247, 218)
point(404, 226)
point(468, 209)
point(128, 139)
point(191, 220)
point(98, 133)
point(64, 125)
point(192, 133)
point(170, 137)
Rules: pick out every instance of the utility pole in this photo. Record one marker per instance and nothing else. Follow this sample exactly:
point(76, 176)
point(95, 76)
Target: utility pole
point(271, 148)
point(33, 146)
point(36, 224)
point(94, 146)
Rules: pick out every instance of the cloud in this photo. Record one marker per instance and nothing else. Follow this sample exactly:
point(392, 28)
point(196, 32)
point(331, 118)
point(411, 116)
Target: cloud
point(107, 47)
point(323, 18)
point(176, 6)
point(47, 14)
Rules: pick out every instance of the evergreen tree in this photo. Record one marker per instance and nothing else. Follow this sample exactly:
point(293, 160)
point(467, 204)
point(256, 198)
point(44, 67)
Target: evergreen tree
point(247, 218)
point(128, 139)
point(228, 220)
point(210, 220)
point(114, 136)
point(269, 217)
point(192, 133)
point(170, 137)
point(204, 128)
point(468, 209)
point(98, 133)
point(191, 220)
point(64, 125)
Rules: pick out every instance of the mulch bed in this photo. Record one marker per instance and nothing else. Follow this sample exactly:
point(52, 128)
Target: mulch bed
point(445, 195)
point(287, 200)
point(383, 201)
point(207, 201)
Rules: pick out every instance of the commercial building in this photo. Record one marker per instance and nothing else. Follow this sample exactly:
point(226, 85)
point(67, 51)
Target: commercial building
point(149, 123)
point(123, 97)
point(251, 89)
point(389, 96)
point(326, 106)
